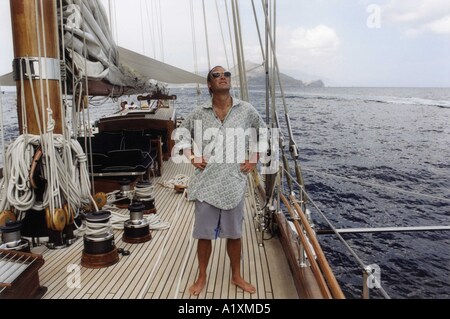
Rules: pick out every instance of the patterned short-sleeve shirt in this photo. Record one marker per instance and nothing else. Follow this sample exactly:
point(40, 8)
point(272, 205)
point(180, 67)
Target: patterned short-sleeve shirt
point(225, 145)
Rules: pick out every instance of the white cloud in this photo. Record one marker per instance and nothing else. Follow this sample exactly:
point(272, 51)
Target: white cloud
point(419, 16)
point(312, 49)
point(441, 26)
point(320, 40)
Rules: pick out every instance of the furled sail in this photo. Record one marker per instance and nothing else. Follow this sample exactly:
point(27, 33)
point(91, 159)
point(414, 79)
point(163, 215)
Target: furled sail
point(91, 48)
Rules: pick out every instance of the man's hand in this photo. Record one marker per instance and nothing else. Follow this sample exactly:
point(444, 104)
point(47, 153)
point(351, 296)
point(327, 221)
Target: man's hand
point(199, 162)
point(247, 167)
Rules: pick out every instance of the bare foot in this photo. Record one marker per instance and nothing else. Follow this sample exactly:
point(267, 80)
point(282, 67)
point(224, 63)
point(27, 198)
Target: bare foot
point(197, 287)
point(246, 286)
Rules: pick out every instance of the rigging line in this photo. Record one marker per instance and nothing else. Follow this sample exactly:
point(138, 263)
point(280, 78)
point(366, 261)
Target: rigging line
point(155, 28)
point(354, 180)
point(2, 128)
point(223, 37)
point(239, 51)
point(86, 79)
point(65, 130)
point(63, 51)
point(268, 83)
point(277, 70)
point(230, 35)
point(154, 25)
point(206, 35)
point(113, 20)
point(46, 137)
point(160, 24)
point(142, 26)
point(258, 30)
point(22, 102)
point(40, 67)
point(292, 145)
point(151, 25)
point(194, 46)
point(44, 39)
point(361, 264)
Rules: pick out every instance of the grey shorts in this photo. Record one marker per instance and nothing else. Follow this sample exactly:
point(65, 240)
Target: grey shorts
point(212, 222)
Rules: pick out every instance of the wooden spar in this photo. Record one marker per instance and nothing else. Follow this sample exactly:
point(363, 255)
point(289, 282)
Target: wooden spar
point(314, 266)
point(328, 273)
point(25, 39)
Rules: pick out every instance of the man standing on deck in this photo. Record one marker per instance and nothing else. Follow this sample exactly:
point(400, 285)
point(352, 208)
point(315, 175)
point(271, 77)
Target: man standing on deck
point(219, 183)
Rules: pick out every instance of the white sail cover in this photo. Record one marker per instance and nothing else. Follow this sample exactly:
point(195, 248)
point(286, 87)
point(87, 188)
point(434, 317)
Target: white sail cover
point(157, 70)
point(7, 80)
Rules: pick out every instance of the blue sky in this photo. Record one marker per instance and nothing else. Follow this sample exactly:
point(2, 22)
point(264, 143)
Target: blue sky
point(346, 42)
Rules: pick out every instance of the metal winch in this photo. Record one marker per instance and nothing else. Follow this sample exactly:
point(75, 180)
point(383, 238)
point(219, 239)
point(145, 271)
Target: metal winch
point(11, 237)
point(99, 246)
point(125, 188)
point(137, 228)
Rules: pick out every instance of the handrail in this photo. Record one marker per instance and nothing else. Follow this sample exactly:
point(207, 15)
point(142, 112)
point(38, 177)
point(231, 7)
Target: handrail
point(361, 264)
point(326, 269)
point(314, 266)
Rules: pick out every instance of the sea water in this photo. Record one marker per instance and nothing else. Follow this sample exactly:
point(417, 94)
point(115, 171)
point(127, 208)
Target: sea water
point(358, 148)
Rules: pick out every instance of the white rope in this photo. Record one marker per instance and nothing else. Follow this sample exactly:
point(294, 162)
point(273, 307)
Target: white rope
point(120, 215)
point(179, 179)
point(18, 159)
point(70, 178)
point(144, 192)
point(97, 228)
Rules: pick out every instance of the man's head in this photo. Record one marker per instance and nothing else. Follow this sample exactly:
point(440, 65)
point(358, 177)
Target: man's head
point(218, 80)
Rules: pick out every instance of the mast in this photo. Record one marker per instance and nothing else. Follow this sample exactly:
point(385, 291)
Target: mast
point(35, 39)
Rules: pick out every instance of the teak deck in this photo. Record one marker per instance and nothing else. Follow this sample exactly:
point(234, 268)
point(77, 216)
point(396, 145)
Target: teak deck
point(265, 267)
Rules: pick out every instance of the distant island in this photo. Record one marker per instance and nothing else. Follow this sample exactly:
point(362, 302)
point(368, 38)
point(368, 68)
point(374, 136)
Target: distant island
point(256, 77)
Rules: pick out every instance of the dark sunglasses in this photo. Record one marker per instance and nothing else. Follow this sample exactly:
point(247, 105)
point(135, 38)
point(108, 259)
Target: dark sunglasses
point(226, 74)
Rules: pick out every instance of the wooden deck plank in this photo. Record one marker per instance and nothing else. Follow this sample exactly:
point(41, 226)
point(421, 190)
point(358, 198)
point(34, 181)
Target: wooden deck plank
point(171, 253)
point(248, 246)
point(171, 265)
point(280, 275)
point(122, 272)
point(134, 268)
point(191, 272)
point(56, 276)
point(185, 252)
point(264, 267)
point(135, 289)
